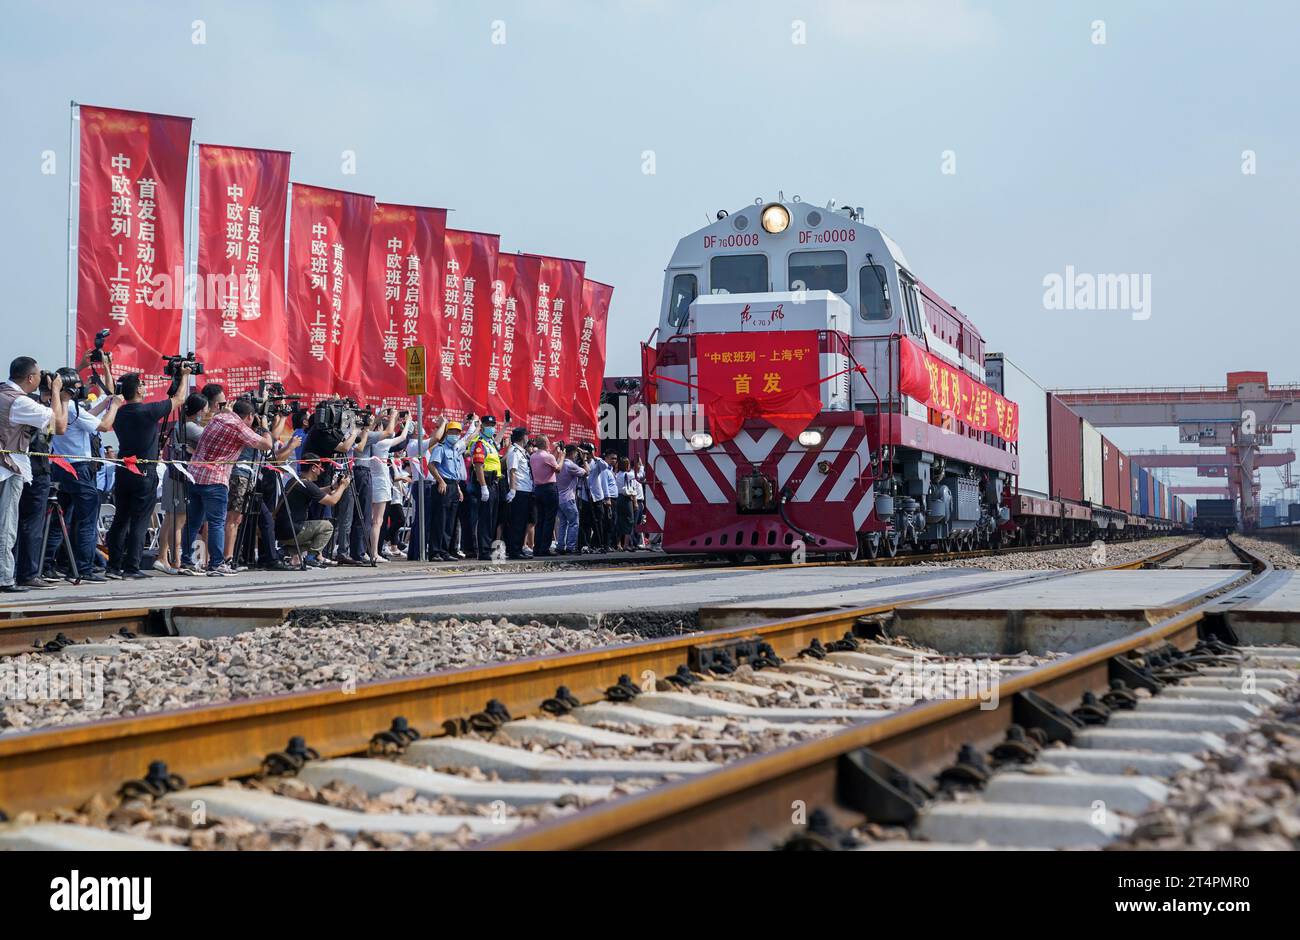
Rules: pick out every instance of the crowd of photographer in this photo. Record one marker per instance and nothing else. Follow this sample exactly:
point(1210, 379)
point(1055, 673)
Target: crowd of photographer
point(262, 482)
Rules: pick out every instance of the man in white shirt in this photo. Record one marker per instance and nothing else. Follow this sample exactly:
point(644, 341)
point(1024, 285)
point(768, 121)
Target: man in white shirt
point(20, 417)
point(519, 475)
point(78, 494)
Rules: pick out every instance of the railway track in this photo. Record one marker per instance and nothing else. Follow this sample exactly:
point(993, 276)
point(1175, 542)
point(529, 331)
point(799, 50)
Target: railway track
point(23, 629)
point(1119, 749)
point(66, 767)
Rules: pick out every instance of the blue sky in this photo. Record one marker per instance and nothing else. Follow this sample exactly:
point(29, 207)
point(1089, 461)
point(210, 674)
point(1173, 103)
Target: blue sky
point(1117, 157)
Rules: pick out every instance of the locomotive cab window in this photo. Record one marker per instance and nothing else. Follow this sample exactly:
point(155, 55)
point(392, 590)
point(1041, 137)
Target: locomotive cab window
point(738, 274)
point(819, 270)
point(908, 286)
point(873, 290)
point(685, 289)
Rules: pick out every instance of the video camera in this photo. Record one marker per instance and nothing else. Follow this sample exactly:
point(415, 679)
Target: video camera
point(176, 363)
point(337, 414)
point(272, 401)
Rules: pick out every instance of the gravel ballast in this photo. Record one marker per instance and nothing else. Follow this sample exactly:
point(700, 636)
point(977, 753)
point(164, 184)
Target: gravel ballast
point(1078, 557)
point(1280, 556)
point(157, 674)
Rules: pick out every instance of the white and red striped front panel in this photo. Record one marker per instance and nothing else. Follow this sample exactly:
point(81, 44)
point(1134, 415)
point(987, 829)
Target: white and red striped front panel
point(692, 494)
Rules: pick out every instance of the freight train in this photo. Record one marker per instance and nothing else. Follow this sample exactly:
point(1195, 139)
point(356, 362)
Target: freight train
point(841, 406)
point(1215, 517)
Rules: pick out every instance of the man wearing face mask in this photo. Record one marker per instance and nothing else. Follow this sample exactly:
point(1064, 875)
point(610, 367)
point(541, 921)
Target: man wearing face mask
point(446, 490)
point(485, 458)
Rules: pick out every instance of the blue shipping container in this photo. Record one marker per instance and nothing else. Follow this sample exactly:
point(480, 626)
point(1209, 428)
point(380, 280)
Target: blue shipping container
point(1144, 492)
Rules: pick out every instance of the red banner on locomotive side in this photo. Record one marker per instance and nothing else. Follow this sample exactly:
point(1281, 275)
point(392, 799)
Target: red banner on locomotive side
point(773, 376)
point(131, 235)
point(403, 295)
point(951, 392)
point(590, 345)
point(459, 365)
point(240, 317)
point(329, 245)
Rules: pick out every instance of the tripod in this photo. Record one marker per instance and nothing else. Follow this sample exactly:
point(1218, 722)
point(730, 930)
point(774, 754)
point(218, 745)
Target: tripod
point(252, 511)
point(359, 521)
point(52, 508)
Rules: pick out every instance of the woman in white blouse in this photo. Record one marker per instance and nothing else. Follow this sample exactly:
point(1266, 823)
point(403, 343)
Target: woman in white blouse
point(381, 480)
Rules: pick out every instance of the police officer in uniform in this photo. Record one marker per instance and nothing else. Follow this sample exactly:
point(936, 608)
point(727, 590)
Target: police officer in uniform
point(485, 459)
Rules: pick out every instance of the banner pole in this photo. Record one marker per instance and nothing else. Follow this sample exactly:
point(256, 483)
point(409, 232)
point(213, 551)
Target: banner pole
point(419, 490)
point(189, 311)
point(73, 115)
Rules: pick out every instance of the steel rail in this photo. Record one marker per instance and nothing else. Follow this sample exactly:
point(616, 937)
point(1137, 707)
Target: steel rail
point(63, 766)
point(26, 634)
point(748, 804)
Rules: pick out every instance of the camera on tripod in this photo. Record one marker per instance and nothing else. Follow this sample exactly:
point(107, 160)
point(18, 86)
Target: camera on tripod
point(337, 414)
point(174, 364)
point(272, 401)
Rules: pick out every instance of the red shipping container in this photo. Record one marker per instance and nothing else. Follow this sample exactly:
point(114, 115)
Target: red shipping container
point(1153, 496)
point(1109, 474)
point(1065, 446)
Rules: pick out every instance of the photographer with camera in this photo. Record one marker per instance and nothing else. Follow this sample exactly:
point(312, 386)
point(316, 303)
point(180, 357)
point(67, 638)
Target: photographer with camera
point(137, 426)
point(250, 485)
point(176, 486)
point(229, 432)
point(78, 491)
point(305, 537)
point(21, 417)
point(353, 519)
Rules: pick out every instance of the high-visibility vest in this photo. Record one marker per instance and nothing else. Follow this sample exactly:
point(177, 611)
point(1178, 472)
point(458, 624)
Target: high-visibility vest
point(491, 456)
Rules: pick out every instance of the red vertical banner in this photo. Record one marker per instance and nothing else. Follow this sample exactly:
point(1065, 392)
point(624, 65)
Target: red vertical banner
point(509, 378)
point(588, 341)
point(131, 235)
point(554, 371)
point(402, 294)
point(329, 245)
point(240, 328)
point(460, 364)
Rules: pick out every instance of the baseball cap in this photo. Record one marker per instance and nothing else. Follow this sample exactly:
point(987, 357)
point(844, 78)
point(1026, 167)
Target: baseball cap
point(453, 425)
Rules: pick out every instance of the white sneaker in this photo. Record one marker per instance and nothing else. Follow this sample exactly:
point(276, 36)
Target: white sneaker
point(526, 552)
point(165, 568)
point(381, 559)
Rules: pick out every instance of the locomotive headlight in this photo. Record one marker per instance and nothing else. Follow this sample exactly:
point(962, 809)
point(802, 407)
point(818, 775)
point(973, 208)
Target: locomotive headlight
point(701, 440)
point(810, 438)
point(776, 219)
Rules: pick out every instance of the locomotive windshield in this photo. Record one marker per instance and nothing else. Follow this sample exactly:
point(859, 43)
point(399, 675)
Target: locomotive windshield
point(685, 290)
point(819, 270)
point(874, 293)
point(738, 274)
